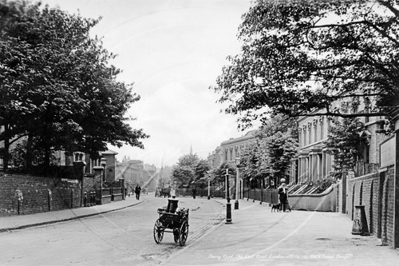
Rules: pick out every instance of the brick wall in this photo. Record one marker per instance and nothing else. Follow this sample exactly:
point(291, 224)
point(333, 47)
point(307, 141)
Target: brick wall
point(374, 206)
point(364, 191)
point(389, 200)
point(39, 194)
point(91, 182)
point(376, 192)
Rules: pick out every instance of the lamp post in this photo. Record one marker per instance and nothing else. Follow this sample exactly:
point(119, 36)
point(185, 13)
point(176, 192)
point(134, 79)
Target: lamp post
point(236, 204)
point(228, 204)
point(209, 187)
point(209, 183)
point(103, 163)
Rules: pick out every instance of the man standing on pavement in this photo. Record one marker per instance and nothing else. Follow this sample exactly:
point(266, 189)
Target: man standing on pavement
point(283, 194)
point(137, 190)
point(194, 192)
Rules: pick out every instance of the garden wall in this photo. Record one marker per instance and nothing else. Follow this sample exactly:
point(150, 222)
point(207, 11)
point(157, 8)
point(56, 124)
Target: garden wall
point(376, 192)
point(21, 194)
point(326, 201)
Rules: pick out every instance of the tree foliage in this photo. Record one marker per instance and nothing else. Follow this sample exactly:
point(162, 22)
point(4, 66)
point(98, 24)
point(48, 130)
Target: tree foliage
point(201, 169)
point(220, 172)
point(345, 142)
point(299, 56)
point(249, 164)
point(189, 168)
point(57, 85)
point(183, 175)
point(270, 155)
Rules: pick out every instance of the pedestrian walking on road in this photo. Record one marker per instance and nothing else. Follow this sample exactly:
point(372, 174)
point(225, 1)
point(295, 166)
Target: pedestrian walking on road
point(137, 190)
point(283, 194)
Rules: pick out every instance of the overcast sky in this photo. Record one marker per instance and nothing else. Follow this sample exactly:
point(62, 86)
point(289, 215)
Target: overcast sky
point(172, 50)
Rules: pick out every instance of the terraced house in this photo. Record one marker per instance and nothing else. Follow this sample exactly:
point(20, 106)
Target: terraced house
point(230, 149)
point(315, 162)
point(369, 186)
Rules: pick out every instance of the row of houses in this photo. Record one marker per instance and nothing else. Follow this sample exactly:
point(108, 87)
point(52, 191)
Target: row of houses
point(372, 185)
point(230, 149)
point(136, 172)
point(313, 162)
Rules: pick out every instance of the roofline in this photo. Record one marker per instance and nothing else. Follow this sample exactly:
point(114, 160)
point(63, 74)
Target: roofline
point(237, 140)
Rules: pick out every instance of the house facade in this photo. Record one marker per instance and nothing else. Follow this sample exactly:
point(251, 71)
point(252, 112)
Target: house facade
point(232, 148)
point(132, 172)
point(215, 158)
point(150, 176)
point(314, 161)
point(372, 186)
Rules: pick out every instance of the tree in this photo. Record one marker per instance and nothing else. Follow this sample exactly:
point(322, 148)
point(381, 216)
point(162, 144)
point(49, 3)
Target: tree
point(282, 148)
point(183, 175)
point(60, 90)
point(220, 173)
point(190, 160)
point(270, 155)
point(299, 56)
point(249, 163)
point(201, 169)
point(190, 168)
point(10, 124)
point(278, 146)
point(345, 142)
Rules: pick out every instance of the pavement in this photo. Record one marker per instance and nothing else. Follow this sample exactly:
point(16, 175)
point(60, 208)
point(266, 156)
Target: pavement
point(256, 236)
point(17, 222)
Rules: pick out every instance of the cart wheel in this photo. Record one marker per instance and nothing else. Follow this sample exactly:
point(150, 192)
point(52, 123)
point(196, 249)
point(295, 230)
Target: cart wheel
point(183, 233)
point(158, 232)
point(176, 235)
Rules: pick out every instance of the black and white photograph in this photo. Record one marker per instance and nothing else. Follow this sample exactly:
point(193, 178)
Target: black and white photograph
point(199, 132)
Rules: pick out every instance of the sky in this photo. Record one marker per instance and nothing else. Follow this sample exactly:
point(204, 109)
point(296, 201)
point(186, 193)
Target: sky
point(173, 51)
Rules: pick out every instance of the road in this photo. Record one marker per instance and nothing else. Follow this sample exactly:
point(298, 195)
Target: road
point(122, 237)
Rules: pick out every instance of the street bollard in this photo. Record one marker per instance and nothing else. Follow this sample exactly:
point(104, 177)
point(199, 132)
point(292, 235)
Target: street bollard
point(228, 212)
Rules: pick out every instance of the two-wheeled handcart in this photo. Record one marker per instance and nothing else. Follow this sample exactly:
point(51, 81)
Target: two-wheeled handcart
point(172, 220)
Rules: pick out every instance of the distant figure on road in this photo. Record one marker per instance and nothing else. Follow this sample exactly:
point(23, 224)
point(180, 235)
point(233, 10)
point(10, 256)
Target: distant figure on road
point(137, 190)
point(194, 192)
point(283, 194)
